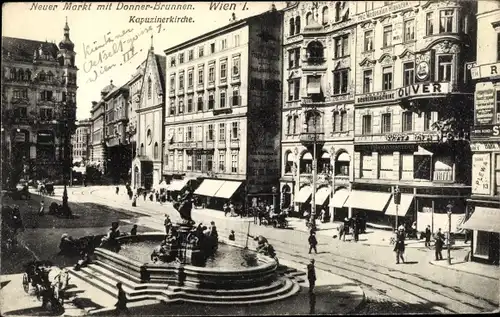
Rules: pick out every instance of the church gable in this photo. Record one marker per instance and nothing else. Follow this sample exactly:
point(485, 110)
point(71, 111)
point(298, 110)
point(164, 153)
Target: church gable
point(152, 90)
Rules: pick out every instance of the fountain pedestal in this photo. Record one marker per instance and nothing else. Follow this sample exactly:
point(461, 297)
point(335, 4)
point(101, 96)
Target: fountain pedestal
point(189, 253)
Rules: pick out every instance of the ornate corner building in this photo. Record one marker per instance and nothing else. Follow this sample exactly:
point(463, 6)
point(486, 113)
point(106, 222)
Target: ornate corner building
point(38, 106)
point(223, 100)
point(484, 204)
point(380, 88)
point(318, 107)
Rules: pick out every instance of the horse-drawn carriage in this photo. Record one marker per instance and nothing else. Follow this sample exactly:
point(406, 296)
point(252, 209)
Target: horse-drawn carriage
point(47, 281)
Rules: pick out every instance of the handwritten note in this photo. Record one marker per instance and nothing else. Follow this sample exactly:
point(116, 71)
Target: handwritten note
point(113, 50)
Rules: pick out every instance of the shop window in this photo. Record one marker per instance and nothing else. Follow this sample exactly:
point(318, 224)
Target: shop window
point(407, 166)
point(497, 174)
point(386, 166)
point(422, 167)
point(189, 163)
point(481, 244)
point(366, 166)
point(197, 161)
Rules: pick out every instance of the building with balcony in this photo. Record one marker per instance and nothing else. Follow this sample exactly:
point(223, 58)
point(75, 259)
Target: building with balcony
point(484, 204)
point(147, 164)
point(119, 154)
point(38, 106)
point(98, 151)
point(134, 86)
point(80, 141)
point(223, 99)
point(413, 110)
point(318, 105)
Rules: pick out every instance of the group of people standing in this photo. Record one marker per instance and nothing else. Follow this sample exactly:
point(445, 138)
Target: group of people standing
point(354, 226)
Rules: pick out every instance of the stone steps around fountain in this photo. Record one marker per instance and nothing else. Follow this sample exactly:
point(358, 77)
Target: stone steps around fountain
point(107, 283)
point(118, 272)
point(106, 280)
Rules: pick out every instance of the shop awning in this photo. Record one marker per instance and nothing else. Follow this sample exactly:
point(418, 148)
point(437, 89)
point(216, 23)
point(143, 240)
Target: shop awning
point(163, 185)
point(322, 194)
point(178, 185)
point(369, 200)
point(406, 200)
point(227, 189)
point(209, 187)
point(483, 219)
point(339, 198)
point(303, 195)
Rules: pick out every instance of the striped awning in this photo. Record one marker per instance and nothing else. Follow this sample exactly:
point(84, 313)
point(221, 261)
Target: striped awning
point(209, 187)
point(303, 195)
point(227, 189)
point(321, 195)
point(404, 206)
point(369, 200)
point(339, 198)
point(178, 185)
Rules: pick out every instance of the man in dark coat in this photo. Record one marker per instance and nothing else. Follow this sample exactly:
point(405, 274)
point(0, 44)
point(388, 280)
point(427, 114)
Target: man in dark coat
point(121, 304)
point(311, 276)
point(313, 242)
point(428, 236)
point(439, 245)
point(399, 246)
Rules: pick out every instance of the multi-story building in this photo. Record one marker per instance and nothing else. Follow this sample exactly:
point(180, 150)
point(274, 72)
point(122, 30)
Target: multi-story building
point(118, 155)
point(80, 141)
point(222, 122)
point(318, 106)
point(98, 155)
point(147, 164)
point(413, 110)
point(134, 85)
point(38, 106)
point(484, 205)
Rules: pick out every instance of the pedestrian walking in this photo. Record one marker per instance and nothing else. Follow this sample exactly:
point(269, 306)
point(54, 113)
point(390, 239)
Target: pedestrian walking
point(168, 224)
point(41, 212)
point(341, 230)
point(355, 229)
point(428, 236)
point(144, 194)
point(226, 209)
point(313, 242)
point(232, 236)
point(438, 245)
point(133, 231)
point(117, 190)
point(399, 246)
point(134, 201)
point(121, 304)
point(311, 275)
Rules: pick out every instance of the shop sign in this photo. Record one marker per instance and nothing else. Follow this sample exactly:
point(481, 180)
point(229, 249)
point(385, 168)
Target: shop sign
point(493, 146)
point(485, 103)
point(423, 89)
point(481, 174)
point(423, 72)
point(485, 71)
point(418, 89)
point(183, 145)
point(486, 130)
point(397, 137)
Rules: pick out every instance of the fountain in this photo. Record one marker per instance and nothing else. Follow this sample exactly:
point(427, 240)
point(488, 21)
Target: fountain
point(221, 274)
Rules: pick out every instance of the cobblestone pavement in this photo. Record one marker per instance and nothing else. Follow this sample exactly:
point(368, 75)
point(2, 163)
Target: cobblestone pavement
point(415, 287)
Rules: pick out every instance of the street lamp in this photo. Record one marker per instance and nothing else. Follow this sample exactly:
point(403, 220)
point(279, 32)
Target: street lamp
point(66, 163)
point(449, 207)
point(274, 190)
point(397, 201)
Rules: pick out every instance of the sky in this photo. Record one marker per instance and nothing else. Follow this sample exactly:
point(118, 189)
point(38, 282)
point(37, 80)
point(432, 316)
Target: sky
point(97, 34)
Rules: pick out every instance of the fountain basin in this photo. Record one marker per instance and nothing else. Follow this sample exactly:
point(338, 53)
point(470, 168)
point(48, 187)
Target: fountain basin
point(142, 280)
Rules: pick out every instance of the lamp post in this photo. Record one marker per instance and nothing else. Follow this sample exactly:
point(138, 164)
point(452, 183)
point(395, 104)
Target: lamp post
point(397, 202)
point(65, 134)
point(274, 190)
point(449, 207)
